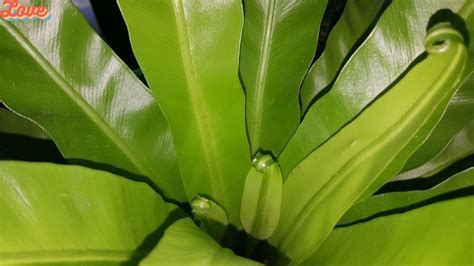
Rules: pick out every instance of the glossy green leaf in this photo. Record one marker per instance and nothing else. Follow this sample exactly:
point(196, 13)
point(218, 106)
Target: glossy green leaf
point(358, 15)
point(185, 244)
point(272, 69)
point(385, 204)
point(189, 51)
point(437, 234)
point(461, 146)
point(61, 75)
point(261, 199)
point(394, 44)
point(362, 158)
point(64, 215)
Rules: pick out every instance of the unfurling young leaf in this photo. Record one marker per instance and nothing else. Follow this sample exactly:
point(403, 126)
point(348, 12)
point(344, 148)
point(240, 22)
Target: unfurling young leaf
point(261, 199)
point(362, 158)
point(394, 43)
point(212, 217)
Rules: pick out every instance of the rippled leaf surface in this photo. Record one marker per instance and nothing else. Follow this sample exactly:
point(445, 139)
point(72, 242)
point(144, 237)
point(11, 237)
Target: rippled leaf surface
point(185, 244)
point(95, 109)
point(62, 215)
point(189, 51)
point(272, 69)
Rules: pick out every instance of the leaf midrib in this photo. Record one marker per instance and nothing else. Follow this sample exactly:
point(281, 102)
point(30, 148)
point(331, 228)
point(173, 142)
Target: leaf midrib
point(263, 62)
point(77, 99)
point(196, 98)
point(262, 201)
